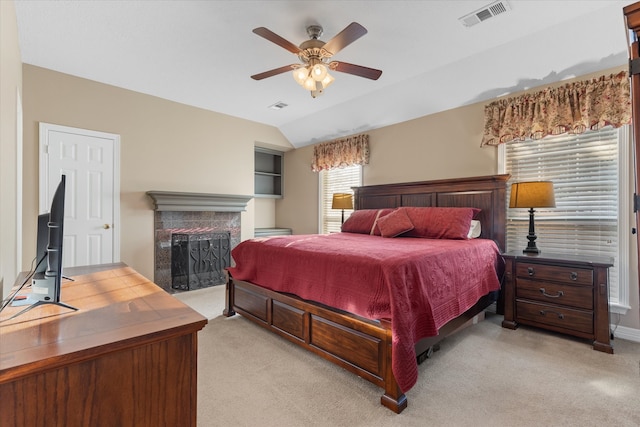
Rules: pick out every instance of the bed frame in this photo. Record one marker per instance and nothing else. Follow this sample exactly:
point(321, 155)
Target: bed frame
point(360, 345)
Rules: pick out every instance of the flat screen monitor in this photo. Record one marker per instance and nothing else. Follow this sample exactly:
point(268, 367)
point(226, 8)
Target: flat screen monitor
point(41, 244)
point(47, 278)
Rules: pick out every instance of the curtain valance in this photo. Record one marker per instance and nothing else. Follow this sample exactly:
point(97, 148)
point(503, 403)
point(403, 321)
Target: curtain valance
point(350, 151)
point(574, 108)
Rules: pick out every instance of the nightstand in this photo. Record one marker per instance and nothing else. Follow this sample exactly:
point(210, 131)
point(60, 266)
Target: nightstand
point(561, 293)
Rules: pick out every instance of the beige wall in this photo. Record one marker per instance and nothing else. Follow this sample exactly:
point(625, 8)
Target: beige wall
point(438, 146)
point(10, 182)
point(265, 209)
point(165, 146)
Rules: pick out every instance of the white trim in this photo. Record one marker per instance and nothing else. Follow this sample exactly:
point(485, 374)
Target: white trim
point(502, 159)
point(116, 197)
point(44, 173)
point(320, 190)
point(196, 202)
point(624, 205)
point(619, 309)
point(626, 333)
point(19, 181)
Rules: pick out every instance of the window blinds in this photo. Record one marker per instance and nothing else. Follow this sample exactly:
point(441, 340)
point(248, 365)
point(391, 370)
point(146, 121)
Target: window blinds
point(584, 170)
point(338, 180)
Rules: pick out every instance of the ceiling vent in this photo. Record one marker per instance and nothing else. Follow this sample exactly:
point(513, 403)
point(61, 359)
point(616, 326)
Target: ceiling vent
point(278, 106)
point(489, 11)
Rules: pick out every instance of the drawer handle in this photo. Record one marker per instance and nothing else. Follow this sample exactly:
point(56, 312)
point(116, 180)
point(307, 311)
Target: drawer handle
point(573, 275)
point(544, 292)
point(531, 271)
point(544, 312)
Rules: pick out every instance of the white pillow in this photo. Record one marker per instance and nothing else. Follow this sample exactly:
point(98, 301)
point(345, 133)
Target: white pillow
point(475, 229)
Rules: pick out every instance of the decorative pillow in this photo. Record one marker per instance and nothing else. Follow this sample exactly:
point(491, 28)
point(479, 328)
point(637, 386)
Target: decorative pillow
point(397, 222)
point(475, 229)
point(440, 222)
point(381, 213)
point(360, 221)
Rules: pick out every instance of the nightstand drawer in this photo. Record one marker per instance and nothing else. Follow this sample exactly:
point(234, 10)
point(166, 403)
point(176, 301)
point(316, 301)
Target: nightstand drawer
point(575, 276)
point(555, 293)
point(562, 317)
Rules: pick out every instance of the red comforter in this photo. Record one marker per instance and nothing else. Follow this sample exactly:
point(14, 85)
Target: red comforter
point(420, 284)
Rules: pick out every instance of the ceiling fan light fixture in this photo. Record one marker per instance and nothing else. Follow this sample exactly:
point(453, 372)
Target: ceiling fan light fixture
point(328, 79)
point(319, 72)
point(313, 71)
point(300, 75)
point(309, 84)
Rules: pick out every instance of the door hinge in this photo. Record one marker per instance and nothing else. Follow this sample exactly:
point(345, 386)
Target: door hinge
point(636, 202)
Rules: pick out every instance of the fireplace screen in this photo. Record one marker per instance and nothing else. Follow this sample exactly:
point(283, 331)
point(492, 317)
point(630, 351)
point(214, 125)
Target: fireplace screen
point(199, 259)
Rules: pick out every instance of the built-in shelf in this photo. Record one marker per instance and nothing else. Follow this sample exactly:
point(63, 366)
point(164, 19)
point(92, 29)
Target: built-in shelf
point(268, 173)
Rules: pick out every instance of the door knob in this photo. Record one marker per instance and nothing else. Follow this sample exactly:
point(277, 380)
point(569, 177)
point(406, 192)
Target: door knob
point(106, 226)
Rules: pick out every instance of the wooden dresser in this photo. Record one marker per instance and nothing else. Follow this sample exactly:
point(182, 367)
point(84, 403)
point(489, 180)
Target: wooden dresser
point(562, 293)
point(127, 357)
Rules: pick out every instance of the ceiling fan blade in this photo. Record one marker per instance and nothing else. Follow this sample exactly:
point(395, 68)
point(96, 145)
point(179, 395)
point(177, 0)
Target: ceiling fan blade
point(273, 37)
point(345, 37)
point(274, 72)
point(357, 70)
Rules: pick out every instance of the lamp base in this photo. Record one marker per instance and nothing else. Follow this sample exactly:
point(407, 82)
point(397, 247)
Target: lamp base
point(531, 237)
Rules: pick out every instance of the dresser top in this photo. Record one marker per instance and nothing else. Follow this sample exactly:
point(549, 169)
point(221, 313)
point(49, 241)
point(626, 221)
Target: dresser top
point(117, 308)
point(549, 257)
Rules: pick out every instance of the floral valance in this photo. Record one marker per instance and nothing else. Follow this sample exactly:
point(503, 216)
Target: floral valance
point(340, 153)
point(573, 108)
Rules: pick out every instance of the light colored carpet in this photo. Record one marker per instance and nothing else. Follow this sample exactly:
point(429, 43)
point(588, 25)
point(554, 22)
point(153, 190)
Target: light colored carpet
point(482, 376)
point(208, 301)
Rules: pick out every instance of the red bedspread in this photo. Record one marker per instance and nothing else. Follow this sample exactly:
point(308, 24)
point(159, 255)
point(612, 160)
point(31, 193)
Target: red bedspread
point(420, 284)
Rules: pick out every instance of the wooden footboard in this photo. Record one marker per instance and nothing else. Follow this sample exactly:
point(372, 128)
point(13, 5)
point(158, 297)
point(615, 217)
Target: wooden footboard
point(357, 344)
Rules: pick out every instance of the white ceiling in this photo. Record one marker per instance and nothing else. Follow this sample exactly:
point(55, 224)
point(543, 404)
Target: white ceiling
point(202, 53)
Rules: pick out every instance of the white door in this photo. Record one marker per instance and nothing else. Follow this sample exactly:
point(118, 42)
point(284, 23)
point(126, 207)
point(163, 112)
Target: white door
point(89, 160)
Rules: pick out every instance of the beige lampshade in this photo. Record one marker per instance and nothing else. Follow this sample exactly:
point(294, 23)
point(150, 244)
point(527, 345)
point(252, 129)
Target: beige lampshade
point(538, 194)
point(342, 201)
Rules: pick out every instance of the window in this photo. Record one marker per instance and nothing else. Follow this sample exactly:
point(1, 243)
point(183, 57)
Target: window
point(591, 180)
point(338, 180)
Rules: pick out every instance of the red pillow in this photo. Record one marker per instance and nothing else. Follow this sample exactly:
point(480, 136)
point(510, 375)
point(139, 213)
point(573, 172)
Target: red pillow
point(440, 223)
point(360, 221)
point(397, 222)
point(381, 213)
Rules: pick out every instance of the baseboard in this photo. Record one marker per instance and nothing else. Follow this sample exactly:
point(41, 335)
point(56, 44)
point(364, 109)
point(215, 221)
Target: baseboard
point(625, 333)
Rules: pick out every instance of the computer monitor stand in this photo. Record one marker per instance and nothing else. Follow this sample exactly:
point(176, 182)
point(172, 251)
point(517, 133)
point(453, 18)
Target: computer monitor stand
point(35, 304)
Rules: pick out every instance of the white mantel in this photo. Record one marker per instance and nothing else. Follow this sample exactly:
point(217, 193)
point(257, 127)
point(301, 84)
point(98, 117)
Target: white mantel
point(179, 201)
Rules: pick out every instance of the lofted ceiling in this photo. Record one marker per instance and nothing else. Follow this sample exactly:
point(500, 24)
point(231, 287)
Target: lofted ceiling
point(202, 53)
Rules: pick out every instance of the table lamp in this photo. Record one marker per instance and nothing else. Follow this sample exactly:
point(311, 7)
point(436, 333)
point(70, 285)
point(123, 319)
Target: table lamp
point(531, 195)
point(342, 201)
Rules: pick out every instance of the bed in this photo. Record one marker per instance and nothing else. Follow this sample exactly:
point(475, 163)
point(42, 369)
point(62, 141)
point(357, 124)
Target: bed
point(381, 340)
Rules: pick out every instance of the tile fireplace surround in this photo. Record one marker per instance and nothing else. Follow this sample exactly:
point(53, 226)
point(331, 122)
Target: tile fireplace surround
point(180, 211)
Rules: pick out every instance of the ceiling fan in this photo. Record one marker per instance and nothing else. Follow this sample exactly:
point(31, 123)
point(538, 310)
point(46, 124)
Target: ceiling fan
point(313, 71)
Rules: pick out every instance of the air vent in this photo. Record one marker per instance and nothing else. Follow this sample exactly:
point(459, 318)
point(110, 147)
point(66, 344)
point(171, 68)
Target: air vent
point(489, 11)
point(278, 106)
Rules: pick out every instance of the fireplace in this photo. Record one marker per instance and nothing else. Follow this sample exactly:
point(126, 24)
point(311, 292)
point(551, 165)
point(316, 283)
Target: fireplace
point(205, 218)
point(199, 258)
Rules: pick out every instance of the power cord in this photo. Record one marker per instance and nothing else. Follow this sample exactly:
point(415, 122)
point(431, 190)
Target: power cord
point(12, 296)
point(615, 325)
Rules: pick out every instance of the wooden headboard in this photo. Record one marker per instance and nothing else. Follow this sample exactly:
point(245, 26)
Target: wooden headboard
point(485, 192)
